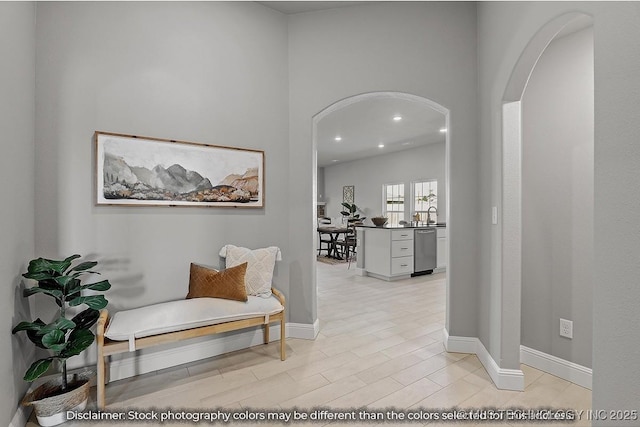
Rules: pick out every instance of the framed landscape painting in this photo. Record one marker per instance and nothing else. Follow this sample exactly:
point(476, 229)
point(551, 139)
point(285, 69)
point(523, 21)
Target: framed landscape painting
point(141, 171)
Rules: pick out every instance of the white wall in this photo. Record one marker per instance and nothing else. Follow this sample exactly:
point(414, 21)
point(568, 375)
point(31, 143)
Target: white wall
point(504, 30)
point(557, 199)
point(370, 174)
point(426, 49)
point(211, 72)
point(17, 87)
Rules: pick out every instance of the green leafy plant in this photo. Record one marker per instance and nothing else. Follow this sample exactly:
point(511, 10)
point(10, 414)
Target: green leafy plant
point(429, 198)
point(63, 337)
point(351, 212)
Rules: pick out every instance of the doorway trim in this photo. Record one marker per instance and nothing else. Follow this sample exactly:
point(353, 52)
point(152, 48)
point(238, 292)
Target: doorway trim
point(345, 102)
point(511, 187)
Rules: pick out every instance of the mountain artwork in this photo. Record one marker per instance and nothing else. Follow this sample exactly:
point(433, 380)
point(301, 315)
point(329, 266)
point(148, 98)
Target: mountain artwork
point(145, 171)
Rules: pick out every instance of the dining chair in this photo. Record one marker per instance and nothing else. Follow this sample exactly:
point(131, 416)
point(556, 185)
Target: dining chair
point(348, 246)
point(323, 238)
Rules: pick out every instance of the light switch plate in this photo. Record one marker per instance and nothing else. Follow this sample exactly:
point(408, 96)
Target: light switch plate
point(494, 215)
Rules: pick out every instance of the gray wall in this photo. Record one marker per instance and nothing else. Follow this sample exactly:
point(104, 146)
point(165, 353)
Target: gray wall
point(557, 199)
point(211, 72)
point(17, 86)
point(426, 49)
point(220, 73)
point(320, 186)
point(129, 67)
point(504, 29)
point(370, 174)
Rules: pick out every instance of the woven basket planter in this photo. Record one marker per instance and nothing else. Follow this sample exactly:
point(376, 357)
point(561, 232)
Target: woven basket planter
point(51, 407)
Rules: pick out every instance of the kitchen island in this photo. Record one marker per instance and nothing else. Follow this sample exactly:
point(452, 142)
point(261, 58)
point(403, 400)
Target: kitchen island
point(388, 253)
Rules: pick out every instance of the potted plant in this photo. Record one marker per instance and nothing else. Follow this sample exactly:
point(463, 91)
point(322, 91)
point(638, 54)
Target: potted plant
point(350, 212)
point(63, 337)
point(429, 198)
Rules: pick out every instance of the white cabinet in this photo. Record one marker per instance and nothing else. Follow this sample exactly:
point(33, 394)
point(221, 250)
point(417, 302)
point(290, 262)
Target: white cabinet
point(388, 253)
point(401, 248)
point(401, 252)
point(441, 248)
point(401, 266)
point(402, 235)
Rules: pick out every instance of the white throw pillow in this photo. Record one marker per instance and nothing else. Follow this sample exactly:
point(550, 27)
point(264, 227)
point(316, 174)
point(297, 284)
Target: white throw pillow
point(260, 265)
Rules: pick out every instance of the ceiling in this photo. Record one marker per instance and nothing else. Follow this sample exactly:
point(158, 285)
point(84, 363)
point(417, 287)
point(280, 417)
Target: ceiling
point(293, 7)
point(366, 124)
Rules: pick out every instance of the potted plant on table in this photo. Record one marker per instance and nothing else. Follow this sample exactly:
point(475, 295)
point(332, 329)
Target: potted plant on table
point(350, 213)
point(63, 337)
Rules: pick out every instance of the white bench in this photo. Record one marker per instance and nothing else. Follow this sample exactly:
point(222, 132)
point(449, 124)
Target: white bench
point(148, 326)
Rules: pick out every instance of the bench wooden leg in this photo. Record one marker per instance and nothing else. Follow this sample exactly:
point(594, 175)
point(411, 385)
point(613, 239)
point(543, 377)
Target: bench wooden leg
point(283, 341)
point(266, 333)
point(100, 385)
point(101, 368)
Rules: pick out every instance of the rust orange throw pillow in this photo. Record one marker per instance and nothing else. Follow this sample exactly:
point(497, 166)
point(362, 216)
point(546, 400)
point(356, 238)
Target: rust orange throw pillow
point(207, 282)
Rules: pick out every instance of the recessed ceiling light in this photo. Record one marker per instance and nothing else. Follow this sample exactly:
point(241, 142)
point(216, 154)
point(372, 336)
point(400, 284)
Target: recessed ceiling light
point(338, 138)
point(397, 118)
point(380, 145)
point(334, 160)
point(443, 130)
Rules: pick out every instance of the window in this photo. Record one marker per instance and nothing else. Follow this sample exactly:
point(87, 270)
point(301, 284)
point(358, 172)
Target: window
point(425, 200)
point(393, 208)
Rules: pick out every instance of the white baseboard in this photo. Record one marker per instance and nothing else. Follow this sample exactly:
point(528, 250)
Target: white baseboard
point(21, 416)
point(504, 379)
point(460, 344)
point(303, 331)
point(553, 365)
point(147, 360)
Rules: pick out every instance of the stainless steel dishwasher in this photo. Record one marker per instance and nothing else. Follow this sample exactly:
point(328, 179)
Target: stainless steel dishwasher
point(424, 251)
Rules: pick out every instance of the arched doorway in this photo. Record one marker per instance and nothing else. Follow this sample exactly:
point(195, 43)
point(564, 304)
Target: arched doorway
point(512, 226)
point(372, 96)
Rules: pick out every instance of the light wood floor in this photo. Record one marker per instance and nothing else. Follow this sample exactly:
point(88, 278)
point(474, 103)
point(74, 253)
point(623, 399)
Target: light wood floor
point(380, 346)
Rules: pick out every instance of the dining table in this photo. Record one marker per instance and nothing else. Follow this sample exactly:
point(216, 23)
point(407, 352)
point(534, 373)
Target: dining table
point(334, 233)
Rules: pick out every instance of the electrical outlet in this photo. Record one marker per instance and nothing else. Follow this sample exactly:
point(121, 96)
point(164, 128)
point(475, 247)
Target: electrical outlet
point(566, 328)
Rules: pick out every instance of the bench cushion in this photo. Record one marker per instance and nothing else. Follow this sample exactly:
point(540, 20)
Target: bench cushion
point(186, 314)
